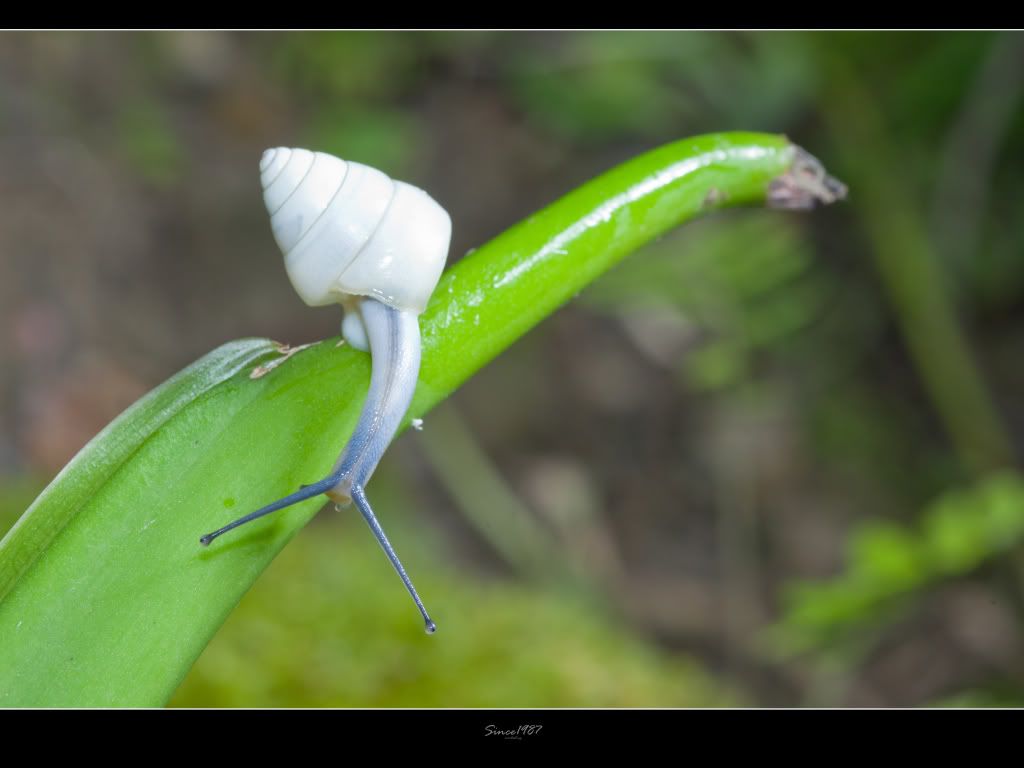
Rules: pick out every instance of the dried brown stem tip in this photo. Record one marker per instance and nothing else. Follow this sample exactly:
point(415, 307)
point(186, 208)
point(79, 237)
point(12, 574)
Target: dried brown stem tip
point(804, 184)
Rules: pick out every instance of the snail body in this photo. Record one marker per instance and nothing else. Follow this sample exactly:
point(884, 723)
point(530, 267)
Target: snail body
point(353, 236)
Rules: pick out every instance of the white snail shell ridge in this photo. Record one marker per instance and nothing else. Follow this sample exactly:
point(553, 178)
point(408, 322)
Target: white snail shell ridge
point(347, 229)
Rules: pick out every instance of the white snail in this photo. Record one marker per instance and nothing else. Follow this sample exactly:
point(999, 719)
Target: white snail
point(351, 235)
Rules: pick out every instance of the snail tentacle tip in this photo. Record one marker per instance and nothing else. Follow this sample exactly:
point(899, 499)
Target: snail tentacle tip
point(304, 493)
point(431, 627)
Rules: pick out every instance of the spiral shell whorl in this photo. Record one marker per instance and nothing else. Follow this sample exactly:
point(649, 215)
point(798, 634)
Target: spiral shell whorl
point(347, 229)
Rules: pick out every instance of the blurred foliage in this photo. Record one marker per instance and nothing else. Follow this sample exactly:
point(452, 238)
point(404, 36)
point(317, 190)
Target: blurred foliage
point(350, 80)
point(149, 143)
point(598, 86)
point(343, 635)
point(993, 697)
point(373, 66)
point(888, 563)
point(745, 282)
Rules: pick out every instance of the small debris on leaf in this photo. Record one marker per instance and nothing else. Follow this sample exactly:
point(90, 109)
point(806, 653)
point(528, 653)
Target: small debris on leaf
point(286, 352)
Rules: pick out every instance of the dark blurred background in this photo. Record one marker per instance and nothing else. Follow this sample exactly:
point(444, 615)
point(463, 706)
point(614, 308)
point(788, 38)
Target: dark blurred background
point(769, 460)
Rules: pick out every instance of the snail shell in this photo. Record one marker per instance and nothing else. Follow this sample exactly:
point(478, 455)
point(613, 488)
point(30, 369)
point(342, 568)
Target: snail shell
point(348, 230)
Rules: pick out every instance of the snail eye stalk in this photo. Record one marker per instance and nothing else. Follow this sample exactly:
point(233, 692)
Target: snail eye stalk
point(306, 492)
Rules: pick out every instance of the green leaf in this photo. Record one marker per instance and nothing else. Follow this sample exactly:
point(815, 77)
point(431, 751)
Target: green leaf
point(107, 596)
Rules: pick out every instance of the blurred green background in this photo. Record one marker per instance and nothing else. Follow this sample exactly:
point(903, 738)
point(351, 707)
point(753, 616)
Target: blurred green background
point(770, 461)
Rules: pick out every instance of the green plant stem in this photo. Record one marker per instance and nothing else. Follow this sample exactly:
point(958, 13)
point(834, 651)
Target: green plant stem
point(107, 596)
point(913, 278)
